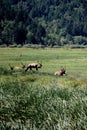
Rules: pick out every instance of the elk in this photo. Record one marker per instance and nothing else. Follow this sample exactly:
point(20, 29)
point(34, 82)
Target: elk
point(61, 72)
point(33, 65)
point(17, 67)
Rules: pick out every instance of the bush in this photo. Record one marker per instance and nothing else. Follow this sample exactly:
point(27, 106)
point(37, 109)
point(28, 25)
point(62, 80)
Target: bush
point(13, 45)
point(77, 46)
point(80, 40)
point(33, 46)
point(3, 45)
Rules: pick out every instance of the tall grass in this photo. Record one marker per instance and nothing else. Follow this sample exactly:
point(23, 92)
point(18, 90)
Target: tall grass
point(24, 106)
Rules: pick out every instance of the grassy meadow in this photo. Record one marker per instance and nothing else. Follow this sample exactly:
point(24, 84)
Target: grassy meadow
point(38, 100)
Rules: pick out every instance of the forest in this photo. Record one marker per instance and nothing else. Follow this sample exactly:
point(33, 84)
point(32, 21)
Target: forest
point(45, 23)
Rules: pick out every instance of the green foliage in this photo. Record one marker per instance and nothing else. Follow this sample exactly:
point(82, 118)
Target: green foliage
point(43, 22)
point(80, 40)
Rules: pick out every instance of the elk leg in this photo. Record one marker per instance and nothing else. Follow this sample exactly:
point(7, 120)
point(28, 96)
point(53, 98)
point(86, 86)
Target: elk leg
point(30, 67)
point(27, 68)
point(36, 68)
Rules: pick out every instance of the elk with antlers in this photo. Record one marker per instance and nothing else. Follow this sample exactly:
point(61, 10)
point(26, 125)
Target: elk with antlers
point(33, 65)
point(61, 72)
point(17, 67)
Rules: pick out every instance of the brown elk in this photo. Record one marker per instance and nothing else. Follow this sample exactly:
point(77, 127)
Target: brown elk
point(61, 72)
point(33, 65)
point(17, 67)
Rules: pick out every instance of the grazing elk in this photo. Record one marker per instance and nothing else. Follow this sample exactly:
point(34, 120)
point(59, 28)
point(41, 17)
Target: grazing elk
point(33, 65)
point(17, 67)
point(61, 72)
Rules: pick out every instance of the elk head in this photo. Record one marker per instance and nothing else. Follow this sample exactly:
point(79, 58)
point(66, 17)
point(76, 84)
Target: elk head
point(39, 65)
point(63, 71)
point(23, 66)
point(11, 67)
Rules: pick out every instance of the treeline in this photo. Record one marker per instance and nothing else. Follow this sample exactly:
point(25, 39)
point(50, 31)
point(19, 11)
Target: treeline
point(48, 23)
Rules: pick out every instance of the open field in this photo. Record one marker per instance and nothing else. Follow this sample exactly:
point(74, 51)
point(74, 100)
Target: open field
point(38, 100)
point(75, 62)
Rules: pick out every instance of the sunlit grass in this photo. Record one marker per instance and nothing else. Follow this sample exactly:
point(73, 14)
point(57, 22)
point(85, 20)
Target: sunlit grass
point(74, 60)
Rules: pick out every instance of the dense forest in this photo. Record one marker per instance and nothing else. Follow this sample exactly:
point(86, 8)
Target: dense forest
point(43, 22)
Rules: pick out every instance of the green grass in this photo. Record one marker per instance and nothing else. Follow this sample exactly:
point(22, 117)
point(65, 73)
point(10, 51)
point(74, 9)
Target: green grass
point(37, 107)
point(38, 100)
point(74, 60)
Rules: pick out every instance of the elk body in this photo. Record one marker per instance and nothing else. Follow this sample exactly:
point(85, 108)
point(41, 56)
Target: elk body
point(33, 65)
point(17, 67)
point(61, 72)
